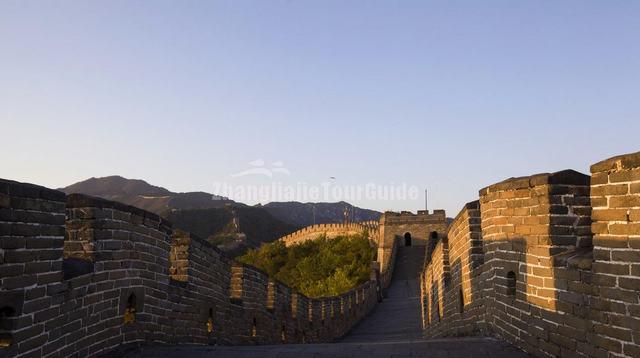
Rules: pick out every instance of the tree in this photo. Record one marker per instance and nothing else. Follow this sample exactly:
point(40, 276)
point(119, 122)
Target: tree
point(316, 268)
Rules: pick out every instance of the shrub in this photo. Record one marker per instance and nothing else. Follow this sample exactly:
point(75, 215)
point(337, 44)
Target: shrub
point(316, 268)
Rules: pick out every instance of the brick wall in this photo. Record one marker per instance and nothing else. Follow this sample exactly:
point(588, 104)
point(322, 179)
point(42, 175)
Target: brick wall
point(393, 227)
point(331, 231)
point(615, 197)
point(459, 299)
point(31, 244)
point(552, 276)
point(123, 278)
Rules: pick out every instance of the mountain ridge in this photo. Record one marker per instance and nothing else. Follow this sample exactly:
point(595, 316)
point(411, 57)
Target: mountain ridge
point(230, 225)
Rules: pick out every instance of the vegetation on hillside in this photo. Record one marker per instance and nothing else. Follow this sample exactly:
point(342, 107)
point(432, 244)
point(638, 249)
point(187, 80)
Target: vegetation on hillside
point(316, 268)
point(305, 214)
point(216, 225)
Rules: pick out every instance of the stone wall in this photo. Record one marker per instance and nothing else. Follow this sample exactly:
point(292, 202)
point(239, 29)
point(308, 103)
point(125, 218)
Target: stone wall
point(332, 231)
point(535, 266)
point(119, 277)
point(615, 197)
point(421, 228)
point(449, 283)
point(31, 244)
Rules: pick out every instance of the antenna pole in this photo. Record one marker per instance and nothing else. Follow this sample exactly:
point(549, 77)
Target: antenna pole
point(426, 207)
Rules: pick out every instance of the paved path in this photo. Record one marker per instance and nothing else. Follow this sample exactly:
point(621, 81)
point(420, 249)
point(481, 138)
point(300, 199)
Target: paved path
point(443, 348)
point(393, 329)
point(398, 316)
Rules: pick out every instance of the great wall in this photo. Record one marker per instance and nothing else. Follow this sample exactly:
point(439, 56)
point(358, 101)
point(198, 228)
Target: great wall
point(548, 263)
point(370, 228)
point(84, 276)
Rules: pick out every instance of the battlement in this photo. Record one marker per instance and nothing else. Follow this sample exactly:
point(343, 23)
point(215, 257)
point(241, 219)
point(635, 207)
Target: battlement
point(547, 262)
point(419, 214)
point(84, 276)
point(332, 230)
point(564, 177)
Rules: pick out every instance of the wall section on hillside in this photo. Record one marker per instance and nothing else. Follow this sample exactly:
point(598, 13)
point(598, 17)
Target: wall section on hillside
point(86, 276)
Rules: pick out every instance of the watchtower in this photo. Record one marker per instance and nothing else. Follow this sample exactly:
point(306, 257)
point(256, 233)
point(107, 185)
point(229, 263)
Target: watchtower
point(412, 229)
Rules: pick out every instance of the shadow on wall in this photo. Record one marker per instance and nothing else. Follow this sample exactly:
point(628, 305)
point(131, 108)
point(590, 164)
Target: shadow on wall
point(116, 276)
point(552, 282)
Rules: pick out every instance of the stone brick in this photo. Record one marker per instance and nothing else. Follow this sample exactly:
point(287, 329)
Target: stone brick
point(611, 268)
point(608, 344)
point(623, 176)
point(627, 201)
point(610, 215)
point(624, 229)
point(629, 283)
point(610, 331)
point(626, 255)
point(599, 178)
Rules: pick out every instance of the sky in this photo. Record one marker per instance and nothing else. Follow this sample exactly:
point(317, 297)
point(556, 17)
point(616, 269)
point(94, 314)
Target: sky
point(446, 95)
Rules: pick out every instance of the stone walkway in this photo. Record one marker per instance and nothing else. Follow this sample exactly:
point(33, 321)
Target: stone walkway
point(393, 329)
point(444, 348)
point(397, 318)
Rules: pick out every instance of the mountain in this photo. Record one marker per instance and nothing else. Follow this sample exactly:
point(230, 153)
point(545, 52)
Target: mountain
point(231, 226)
point(143, 195)
point(302, 214)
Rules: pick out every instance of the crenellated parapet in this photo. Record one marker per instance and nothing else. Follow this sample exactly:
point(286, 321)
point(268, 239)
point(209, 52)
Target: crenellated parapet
point(332, 230)
point(82, 276)
point(407, 228)
point(547, 262)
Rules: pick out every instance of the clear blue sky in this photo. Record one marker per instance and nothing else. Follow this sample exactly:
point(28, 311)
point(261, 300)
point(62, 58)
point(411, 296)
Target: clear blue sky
point(450, 95)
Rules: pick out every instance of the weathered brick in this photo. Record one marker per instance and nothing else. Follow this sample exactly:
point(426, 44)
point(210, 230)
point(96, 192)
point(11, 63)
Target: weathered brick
point(624, 229)
point(626, 255)
point(609, 215)
point(599, 178)
point(627, 201)
point(614, 332)
point(611, 268)
point(629, 283)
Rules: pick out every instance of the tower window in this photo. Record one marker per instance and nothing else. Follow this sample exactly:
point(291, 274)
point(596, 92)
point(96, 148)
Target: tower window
point(130, 310)
point(6, 326)
point(210, 321)
point(511, 283)
point(254, 328)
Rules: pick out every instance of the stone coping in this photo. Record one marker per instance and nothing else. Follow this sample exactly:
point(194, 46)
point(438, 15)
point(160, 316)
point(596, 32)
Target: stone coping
point(26, 190)
point(86, 201)
point(619, 162)
point(563, 177)
point(468, 206)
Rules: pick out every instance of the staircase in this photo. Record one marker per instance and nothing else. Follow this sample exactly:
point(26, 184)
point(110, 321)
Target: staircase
point(398, 317)
point(393, 329)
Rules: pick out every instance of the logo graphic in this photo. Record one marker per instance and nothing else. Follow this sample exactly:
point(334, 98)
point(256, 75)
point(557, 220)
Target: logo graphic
point(280, 189)
point(258, 168)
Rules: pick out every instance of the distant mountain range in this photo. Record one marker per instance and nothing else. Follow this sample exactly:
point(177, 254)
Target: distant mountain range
point(305, 214)
point(231, 225)
point(143, 195)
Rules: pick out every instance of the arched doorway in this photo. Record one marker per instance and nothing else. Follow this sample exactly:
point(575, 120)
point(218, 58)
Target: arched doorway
point(407, 239)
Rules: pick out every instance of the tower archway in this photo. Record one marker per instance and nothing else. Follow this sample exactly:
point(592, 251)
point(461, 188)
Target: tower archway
point(407, 239)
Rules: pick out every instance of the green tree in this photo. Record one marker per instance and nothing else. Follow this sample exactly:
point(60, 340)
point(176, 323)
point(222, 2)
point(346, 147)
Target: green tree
point(316, 268)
